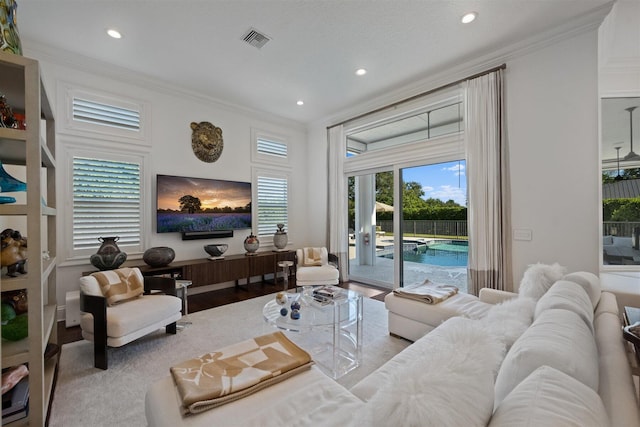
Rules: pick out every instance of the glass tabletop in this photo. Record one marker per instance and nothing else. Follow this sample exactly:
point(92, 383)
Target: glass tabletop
point(341, 310)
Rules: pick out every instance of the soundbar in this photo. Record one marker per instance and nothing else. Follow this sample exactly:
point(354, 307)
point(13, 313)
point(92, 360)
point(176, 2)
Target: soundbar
point(196, 235)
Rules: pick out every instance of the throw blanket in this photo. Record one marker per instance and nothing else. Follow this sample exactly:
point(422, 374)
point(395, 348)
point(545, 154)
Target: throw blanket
point(427, 291)
point(238, 370)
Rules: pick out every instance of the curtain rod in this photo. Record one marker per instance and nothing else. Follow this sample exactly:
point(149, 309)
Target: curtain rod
point(428, 92)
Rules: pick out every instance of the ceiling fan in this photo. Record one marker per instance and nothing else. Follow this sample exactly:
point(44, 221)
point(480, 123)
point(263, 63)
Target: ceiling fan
point(631, 155)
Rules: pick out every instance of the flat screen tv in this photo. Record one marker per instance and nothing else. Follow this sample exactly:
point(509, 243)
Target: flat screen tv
point(201, 204)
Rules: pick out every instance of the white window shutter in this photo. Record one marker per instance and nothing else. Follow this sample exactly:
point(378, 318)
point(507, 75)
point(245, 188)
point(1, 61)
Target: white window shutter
point(272, 204)
point(106, 202)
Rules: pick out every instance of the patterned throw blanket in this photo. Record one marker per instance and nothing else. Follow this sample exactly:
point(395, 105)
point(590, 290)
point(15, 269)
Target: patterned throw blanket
point(238, 370)
point(427, 291)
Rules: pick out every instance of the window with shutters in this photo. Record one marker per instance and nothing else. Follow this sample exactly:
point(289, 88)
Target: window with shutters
point(99, 113)
point(107, 201)
point(269, 148)
point(272, 195)
point(270, 183)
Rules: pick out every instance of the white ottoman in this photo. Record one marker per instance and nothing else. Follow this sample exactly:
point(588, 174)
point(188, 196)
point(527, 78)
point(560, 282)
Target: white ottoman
point(413, 319)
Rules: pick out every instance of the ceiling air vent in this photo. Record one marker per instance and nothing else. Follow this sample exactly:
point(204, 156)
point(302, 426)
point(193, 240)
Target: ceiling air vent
point(255, 38)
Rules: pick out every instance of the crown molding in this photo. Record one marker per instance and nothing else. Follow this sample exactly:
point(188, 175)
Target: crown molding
point(65, 58)
point(585, 23)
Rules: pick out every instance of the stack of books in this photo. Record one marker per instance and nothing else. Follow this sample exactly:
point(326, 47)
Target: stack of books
point(15, 402)
point(325, 294)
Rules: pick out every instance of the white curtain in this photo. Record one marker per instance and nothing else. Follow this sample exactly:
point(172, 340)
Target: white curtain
point(337, 217)
point(487, 169)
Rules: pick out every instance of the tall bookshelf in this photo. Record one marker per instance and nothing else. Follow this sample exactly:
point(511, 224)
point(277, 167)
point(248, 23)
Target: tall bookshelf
point(33, 149)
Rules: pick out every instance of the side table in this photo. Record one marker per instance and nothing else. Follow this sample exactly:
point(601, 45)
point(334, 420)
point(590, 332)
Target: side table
point(285, 268)
point(181, 286)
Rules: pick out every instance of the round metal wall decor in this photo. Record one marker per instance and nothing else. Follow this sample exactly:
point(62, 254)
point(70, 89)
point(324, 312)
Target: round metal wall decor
point(206, 141)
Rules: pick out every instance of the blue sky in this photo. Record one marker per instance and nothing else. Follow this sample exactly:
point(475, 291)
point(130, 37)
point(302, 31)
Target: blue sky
point(444, 181)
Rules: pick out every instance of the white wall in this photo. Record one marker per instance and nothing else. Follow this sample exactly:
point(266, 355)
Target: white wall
point(552, 116)
point(171, 113)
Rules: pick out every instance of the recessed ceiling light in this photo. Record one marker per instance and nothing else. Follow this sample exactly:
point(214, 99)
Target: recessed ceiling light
point(469, 17)
point(114, 33)
point(300, 102)
point(361, 72)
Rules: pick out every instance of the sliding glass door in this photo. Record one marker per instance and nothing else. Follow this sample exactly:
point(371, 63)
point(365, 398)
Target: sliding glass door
point(405, 183)
point(370, 205)
point(433, 225)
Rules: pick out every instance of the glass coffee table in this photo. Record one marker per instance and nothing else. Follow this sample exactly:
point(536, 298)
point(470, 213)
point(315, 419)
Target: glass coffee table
point(331, 331)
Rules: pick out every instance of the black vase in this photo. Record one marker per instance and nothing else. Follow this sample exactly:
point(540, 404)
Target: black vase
point(158, 256)
point(109, 256)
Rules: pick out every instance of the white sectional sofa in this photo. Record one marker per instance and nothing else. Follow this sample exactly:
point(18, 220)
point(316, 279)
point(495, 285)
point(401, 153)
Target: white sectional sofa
point(542, 358)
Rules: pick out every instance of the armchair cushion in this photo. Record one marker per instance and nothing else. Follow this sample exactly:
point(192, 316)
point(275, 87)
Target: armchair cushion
point(115, 285)
point(124, 319)
point(315, 257)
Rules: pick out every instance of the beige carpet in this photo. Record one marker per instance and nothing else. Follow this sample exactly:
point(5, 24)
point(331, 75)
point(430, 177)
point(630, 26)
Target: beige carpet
point(86, 396)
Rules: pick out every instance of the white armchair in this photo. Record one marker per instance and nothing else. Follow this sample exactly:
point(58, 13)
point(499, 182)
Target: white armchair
point(316, 266)
point(119, 307)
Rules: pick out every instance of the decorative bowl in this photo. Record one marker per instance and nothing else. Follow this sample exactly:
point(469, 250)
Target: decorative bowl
point(159, 256)
point(216, 250)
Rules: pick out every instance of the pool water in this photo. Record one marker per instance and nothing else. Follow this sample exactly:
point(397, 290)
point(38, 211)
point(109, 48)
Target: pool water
point(443, 254)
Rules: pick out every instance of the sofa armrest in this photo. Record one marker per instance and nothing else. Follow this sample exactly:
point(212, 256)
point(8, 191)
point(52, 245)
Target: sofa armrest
point(495, 296)
point(166, 285)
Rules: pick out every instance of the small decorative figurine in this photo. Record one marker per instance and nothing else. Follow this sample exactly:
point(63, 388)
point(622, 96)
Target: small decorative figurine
point(295, 305)
point(284, 311)
point(281, 298)
point(295, 314)
point(13, 253)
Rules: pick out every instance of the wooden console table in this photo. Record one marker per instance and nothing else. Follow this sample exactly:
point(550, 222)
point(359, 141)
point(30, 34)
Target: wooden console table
point(203, 271)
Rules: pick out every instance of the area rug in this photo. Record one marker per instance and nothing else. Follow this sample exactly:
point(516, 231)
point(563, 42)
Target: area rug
point(86, 396)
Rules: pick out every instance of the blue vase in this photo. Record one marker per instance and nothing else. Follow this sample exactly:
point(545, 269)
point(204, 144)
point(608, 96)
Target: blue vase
point(9, 183)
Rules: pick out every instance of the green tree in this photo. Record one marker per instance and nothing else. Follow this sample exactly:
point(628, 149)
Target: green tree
point(384, 187)
point(190, 204)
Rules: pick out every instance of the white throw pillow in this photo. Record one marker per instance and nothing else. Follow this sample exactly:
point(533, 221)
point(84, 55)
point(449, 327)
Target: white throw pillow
point(457, 367)
point(549, 397)
point(568, 296)
point(590, 282)
point(557, 338)
point(538, 278)
point(508, 320)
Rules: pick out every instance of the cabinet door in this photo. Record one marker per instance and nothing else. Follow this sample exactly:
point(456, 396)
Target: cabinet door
point(199, 274)
point(262, 264)
point(230, 269)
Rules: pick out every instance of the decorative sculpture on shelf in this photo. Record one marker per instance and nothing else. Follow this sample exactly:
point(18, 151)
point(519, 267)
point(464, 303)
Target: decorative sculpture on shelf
point(109, 256)
point(9, 184)
point(10, 40)
point(13, 252)
point(7, 119)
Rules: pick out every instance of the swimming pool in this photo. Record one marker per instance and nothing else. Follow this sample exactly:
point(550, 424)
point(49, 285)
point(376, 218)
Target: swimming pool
point(449, 254)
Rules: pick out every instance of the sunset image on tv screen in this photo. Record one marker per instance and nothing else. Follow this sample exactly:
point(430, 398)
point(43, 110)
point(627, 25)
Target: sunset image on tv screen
point(202, 204)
